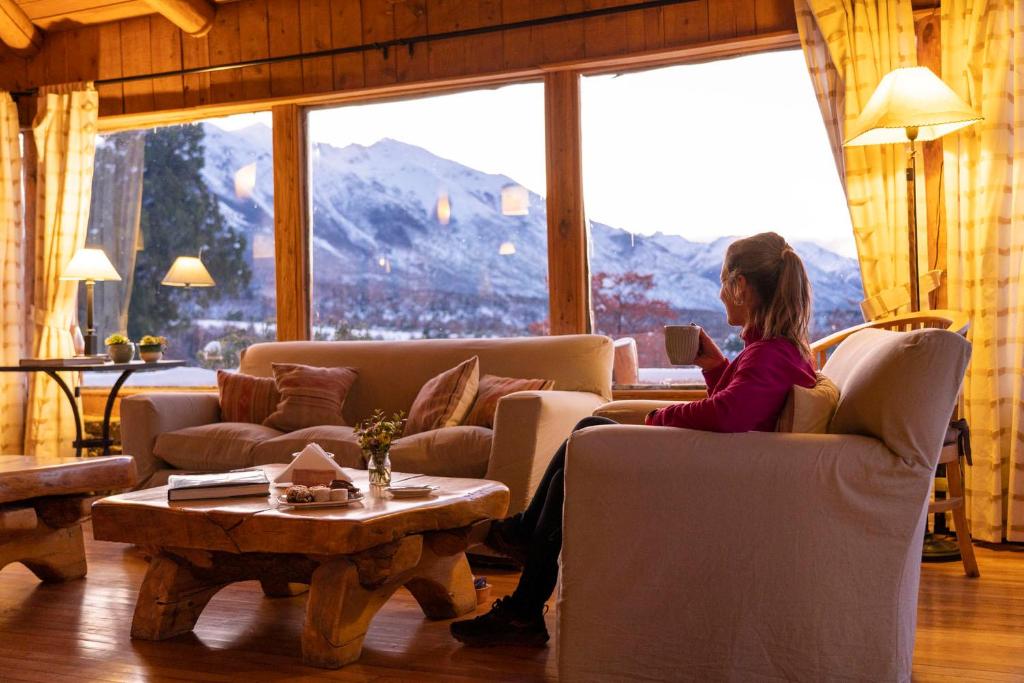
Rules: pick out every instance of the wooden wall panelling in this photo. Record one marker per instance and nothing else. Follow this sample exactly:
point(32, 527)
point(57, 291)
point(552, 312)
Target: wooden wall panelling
point(165, 55)
point(410, 17)
point(559, 42)
point(519, 48)
point(291, 223)
point(568, 281)
point(195, 53)
point(224, 48)
point(928, 30)
point(486, 52)
point(603, 36)
point(473, 54)
point(731, 19)
point(347, 31)
point(315, 30)
point(378, 20)
point(136, 59)
point(82, 54)
point(254, 37)
point(285, 39)
point(109, 66)
point(774, 15)
point(687, 23)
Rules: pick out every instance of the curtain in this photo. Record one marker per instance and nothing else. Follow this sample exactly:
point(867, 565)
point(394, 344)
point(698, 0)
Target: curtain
point(865, 40)
point(12, 312)
point(983, 176)
point(114, 222)
point(64, 132)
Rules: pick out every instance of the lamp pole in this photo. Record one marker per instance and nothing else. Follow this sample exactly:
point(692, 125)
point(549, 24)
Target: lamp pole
point(90, 331)
point(915, 285)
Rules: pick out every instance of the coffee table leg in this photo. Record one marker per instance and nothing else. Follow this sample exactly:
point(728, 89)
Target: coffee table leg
point(443, 585)
point(170, 600)
point(338, 614)
point(51, 554)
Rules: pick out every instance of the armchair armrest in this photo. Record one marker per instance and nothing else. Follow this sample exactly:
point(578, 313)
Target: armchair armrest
point(529, 426)
point(146, 416)
point(738, 556)
point(631, 412)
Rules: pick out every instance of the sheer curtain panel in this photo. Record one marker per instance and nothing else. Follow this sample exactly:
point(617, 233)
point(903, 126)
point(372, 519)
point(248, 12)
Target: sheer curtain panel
point(12, 305)
point(983, 166)
point(65, 133)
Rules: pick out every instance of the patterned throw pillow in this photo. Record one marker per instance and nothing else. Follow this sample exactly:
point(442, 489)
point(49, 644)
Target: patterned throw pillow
point(244, 398)
point(492, 389)
point(310, 396)
point(445, 399)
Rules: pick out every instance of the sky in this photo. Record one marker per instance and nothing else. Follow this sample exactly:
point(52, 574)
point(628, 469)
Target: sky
point(729, 147)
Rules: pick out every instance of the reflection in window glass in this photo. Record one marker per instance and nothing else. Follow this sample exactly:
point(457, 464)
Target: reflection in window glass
point(727, 148)
point(429, 218)
point(200, 189)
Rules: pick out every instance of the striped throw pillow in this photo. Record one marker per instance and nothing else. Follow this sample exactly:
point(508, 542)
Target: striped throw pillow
point(244, 398)
point(445, 399)
point(494, 388)
point(310, 396)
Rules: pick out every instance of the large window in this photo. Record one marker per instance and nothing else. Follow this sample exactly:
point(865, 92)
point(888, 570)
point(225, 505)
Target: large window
point(678, 162)
point(428, 216)
point(200, 189)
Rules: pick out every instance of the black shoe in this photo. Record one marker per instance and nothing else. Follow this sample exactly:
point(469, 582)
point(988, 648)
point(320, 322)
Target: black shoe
point(503, 540)
point(503, 625)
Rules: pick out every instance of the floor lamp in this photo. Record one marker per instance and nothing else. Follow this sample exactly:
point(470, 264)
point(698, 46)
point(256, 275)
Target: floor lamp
point(910, 104)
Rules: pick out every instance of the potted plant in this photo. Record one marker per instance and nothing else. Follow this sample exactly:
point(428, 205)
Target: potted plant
point(151, 348)
point(483, 589)
point(375, 435)
point(119, 348)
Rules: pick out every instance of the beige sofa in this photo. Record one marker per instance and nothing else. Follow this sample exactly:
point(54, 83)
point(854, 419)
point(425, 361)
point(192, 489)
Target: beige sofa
point(692, 555)
point(182, 431)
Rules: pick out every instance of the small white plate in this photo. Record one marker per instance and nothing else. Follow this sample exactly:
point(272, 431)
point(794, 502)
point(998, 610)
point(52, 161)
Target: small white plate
point(283, 501)
point(411, 491)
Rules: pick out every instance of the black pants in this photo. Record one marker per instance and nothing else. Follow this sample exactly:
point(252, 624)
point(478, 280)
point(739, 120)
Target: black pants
point(540, 525)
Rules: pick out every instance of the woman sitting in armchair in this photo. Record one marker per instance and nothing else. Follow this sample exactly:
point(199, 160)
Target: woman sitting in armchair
point(766, 293)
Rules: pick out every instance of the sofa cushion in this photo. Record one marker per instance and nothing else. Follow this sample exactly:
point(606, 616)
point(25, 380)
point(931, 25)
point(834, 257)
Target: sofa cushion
point(310, 396)
point(492, 389)
point(445, 399)
point(215, 447)
point(340, 441)
point(809, 411)
point(446, 452)
point(244, 398)
point(899, 387)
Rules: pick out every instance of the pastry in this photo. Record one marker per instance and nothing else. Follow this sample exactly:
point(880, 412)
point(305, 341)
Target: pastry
point(321, 494)
point(298, 494)
point(339, 494)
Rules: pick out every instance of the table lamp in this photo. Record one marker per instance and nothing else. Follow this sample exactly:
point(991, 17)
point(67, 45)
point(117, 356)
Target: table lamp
point(188, 271)
point(92, 266)
point(910, 104)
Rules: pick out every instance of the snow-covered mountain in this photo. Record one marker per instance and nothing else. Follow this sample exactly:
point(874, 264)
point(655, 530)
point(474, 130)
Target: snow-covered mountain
point(378, 242)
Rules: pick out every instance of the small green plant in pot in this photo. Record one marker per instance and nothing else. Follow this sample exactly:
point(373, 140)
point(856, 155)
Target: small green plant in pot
point(151, 348)
point(375, 435)
point(119, 348)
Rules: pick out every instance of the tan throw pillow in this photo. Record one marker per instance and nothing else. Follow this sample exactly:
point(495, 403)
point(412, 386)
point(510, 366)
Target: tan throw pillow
point(445, 399)
point(809, 411)
point(244, 398)
point(492, 389)
point(310, 396)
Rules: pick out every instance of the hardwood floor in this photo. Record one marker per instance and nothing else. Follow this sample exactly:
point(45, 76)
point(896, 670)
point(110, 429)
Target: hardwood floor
point(968, 629)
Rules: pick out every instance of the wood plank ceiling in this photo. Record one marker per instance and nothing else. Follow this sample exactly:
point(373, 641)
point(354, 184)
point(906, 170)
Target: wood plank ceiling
point(59, 14)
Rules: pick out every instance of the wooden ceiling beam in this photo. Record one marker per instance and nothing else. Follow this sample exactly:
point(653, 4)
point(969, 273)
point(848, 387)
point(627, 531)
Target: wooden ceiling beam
point(194, 17)
point(17, 31)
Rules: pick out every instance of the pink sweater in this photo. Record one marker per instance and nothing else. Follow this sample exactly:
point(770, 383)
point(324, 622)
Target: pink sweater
point(747, 394)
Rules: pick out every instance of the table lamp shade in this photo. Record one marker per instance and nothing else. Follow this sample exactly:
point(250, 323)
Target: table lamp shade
point(911, 97)
point(91, 265)
point(188, 271)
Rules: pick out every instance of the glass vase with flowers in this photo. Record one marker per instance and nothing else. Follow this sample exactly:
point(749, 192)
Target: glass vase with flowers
point(375, 435)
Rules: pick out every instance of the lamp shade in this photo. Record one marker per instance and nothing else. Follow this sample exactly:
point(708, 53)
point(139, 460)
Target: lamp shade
point(515, 201)
point(911, 97)
point(90, 264)
point(188, 271)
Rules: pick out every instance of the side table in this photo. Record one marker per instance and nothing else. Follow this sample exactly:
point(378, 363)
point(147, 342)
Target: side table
point(58, 365)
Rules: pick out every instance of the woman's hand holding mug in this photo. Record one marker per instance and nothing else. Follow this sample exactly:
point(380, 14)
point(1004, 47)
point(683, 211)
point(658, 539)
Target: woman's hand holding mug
point(709, 356)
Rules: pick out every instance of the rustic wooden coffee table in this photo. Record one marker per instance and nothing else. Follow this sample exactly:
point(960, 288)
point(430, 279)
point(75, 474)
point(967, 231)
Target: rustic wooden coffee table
point(352, 558)
point(42, 507)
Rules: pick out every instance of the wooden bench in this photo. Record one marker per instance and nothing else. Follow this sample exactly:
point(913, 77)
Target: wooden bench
point(42, 507)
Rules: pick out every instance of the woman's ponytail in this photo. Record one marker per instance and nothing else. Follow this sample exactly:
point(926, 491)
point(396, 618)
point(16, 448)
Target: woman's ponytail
point(780, 280)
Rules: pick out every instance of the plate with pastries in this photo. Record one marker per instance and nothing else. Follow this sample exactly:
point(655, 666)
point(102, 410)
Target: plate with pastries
point(339, 493)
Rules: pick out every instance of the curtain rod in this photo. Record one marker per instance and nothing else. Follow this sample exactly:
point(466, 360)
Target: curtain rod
point(384, 46)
